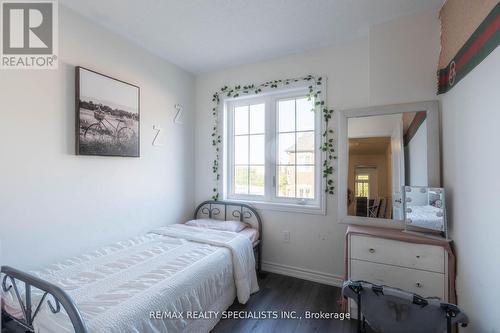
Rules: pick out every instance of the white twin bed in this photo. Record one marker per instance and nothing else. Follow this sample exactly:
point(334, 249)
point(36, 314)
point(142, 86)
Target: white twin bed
point(155, 282)
point(426, 216)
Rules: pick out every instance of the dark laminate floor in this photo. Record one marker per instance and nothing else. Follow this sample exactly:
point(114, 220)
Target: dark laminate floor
point(281, 293)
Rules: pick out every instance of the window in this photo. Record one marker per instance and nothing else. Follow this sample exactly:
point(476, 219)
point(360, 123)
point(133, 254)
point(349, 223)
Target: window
point(249, 149)
point(272, 150)
point(296, 148)
point(362, 188)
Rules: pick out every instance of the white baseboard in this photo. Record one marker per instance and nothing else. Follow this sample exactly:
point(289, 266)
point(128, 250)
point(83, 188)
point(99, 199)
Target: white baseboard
point(302, 273)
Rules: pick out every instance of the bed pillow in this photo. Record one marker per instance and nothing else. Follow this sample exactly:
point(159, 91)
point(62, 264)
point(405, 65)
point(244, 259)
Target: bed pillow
point(234, 226)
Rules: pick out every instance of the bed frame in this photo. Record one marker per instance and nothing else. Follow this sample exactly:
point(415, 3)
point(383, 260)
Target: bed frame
point(11, 276)
point(231, 211)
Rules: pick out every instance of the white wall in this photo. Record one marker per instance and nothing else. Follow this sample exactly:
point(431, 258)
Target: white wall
point(416, 156)
point(403, 59)
point(362, 72)
point(470, 167)
point(54, 204)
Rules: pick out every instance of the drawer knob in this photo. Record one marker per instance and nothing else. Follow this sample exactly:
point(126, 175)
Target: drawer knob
point(418, 285)
point(418, 257)
point(371, 250)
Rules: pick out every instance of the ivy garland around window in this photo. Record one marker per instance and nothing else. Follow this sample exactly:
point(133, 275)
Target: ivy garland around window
point(315, 85)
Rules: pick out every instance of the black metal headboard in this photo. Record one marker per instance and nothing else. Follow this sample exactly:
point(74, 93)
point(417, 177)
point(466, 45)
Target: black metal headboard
point(236, 210)
point(243, 212)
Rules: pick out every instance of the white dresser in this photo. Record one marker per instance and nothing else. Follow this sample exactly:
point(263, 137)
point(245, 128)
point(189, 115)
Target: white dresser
point(393, 258)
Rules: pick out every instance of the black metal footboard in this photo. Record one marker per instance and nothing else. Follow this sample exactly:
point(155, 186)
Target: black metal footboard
point(61, 298)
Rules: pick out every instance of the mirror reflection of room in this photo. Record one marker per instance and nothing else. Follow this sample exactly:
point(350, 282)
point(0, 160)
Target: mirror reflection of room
point(425, 208)
point(386, 152)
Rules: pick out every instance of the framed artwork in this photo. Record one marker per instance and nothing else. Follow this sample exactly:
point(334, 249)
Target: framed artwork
point(107, 115)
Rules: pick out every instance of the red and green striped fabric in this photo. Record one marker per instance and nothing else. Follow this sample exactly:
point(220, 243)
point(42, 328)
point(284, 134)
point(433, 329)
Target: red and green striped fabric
point(482, 42)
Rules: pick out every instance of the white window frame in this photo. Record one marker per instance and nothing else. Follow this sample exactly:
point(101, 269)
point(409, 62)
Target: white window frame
point(270, 200)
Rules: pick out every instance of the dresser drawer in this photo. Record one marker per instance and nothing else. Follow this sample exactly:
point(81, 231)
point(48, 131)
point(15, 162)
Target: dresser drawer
point(424, 283)
point(391, 252)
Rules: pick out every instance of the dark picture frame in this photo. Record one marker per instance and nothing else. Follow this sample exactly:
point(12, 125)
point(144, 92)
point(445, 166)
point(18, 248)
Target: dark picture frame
point(107, 115)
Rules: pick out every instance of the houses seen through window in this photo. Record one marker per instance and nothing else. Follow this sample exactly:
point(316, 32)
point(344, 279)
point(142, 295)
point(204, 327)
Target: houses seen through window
point(296, 148)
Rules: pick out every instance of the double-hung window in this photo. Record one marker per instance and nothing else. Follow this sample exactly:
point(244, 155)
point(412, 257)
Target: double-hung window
point(271, 151)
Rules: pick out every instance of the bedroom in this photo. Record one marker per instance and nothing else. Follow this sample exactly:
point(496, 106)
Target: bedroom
point(114, 136)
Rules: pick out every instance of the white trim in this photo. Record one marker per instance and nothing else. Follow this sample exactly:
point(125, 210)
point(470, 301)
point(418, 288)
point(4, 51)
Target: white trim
point(433, 154)
point(290, 89)
point(283, 207)
point(303, 273)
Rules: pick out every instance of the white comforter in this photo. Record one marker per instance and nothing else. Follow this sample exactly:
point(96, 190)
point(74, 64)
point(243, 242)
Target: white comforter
point(240, 246)
point(426, 217)
point(171, 270)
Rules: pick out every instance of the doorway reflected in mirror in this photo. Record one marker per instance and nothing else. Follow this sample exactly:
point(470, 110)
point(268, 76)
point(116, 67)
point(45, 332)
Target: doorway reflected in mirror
point(386, 153)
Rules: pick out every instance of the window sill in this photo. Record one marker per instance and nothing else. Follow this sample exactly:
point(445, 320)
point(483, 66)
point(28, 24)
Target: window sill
point(284, 207)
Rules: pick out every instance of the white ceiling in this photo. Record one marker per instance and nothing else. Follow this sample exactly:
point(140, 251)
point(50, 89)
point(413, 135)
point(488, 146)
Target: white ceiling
point(373, 126)
point(206, 35)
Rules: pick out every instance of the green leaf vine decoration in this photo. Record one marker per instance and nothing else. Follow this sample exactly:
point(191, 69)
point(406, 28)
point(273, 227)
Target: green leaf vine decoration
point(327, 142)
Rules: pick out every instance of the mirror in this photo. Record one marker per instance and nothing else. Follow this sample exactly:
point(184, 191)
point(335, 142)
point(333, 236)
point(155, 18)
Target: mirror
point(425, 209)
point(385, 153)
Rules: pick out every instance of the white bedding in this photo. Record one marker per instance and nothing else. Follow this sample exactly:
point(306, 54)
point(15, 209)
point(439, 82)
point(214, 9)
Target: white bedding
point(426, 217)
point(234, 226)
point(241, 250)
point(250, 233)
point(117, 287)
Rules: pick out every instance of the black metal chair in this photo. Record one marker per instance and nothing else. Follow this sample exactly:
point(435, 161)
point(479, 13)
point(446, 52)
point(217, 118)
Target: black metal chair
point(361, 206)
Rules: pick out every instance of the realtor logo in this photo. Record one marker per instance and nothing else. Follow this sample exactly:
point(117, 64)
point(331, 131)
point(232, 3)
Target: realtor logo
point(29, 34)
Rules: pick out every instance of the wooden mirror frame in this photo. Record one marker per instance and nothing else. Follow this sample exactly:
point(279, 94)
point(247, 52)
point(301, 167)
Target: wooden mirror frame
point(433, 155)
